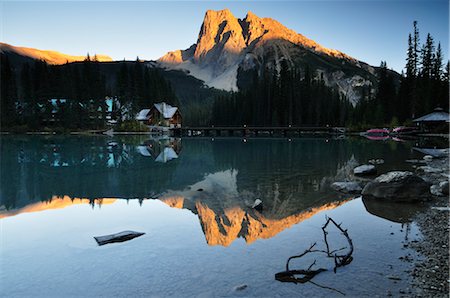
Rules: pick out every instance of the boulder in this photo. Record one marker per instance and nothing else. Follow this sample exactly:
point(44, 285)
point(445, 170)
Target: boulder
point(444, 187)
point(398, 186)
point(365, 170)
point(415, 161)
point(429, 170)
point(428, 158)
point(435, 191)
point(378, 161)
point(347, 187)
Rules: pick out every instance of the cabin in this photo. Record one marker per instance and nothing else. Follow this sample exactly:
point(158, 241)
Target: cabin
point(437, 121)
point(161, 114)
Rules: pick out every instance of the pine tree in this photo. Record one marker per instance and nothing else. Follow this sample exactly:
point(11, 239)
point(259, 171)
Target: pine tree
point(410, 66)
point(416, 48)
point(436, 72)
point(427, 53)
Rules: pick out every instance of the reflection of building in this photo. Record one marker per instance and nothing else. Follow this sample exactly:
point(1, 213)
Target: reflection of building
point(161, 149)
point(437, 121)
point(161, 114)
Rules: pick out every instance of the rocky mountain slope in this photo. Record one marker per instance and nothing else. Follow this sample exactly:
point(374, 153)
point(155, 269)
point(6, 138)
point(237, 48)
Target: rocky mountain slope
point(229, 48)
point(21, 54)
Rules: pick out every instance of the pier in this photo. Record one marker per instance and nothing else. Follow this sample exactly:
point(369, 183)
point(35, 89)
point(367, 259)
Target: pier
point(219, 131)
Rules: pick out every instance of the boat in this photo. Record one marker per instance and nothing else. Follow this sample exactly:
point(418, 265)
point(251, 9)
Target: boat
point(377, 132)
point(404, 130)
point(377, 138)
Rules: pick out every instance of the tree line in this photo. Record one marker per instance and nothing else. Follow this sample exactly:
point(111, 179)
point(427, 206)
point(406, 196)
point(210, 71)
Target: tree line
point(290, 97)
point(295, 97)
point(423, 87)
point(78, 92)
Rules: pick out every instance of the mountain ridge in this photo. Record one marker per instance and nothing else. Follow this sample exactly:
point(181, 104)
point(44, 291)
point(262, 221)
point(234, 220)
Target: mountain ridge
point(49, 56)
point(227, 47)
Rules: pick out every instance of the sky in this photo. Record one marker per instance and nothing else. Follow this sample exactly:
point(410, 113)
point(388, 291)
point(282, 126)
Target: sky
point(369, 30)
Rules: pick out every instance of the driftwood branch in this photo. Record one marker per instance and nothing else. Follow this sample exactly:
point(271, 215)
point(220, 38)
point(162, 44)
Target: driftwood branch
point(306, 275)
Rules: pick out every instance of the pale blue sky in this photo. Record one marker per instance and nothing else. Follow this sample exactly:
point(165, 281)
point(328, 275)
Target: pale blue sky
point(367, 30)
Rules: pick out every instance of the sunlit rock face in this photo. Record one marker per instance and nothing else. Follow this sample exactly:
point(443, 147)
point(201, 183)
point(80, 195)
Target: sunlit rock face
point(51, 57)
point(228, 47)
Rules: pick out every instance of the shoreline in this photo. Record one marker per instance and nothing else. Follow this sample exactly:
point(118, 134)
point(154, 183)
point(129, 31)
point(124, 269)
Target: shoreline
point(430, 275)
point(106, 133)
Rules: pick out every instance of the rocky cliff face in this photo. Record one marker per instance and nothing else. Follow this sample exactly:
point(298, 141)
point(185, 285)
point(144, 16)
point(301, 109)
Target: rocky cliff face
point(228, 47)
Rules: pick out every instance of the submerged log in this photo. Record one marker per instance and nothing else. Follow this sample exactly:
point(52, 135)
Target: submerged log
point(118, 237)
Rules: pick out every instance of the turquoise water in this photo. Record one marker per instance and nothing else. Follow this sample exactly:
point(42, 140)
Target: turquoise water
point(192, 197)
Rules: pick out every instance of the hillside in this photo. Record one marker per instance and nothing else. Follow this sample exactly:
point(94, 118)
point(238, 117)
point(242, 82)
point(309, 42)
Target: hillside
point(229, 49)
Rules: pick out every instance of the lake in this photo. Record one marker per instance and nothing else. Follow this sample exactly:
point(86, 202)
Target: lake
point(192, 197)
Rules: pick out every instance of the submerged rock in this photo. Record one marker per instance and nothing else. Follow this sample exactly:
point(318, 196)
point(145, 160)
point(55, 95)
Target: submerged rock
point(398, 186)
point(118, 237)
point(258, 205)
point(365, 170)
point(347, 187)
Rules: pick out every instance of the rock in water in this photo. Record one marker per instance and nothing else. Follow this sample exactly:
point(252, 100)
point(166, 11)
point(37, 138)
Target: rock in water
point(444, 187)
point(398, 186)
point(365, 170)
point(258, 205)
point(118, 237)
point(440, 190)
point(428, 158)
point(347, 187)
point(376, 161)
point(435, 191)
point(240, 287)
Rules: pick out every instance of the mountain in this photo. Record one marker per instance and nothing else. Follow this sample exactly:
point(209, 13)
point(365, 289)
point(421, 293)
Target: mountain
point(22, 54)
point(228, 50)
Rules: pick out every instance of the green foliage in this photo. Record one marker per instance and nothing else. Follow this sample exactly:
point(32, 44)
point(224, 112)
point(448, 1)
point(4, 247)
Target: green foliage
point(131, 126)
point(394, 122)
point(83, 86)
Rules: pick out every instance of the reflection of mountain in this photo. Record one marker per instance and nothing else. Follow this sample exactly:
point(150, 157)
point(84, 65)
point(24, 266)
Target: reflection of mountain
point(225, 215)
point(288, 176)
point(251, 225)
point(54, 203)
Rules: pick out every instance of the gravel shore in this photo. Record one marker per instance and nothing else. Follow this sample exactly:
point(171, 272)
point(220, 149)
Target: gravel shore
point(431, 275)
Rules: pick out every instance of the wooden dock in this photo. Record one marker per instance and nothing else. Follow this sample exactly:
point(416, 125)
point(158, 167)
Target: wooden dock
point(254, 131)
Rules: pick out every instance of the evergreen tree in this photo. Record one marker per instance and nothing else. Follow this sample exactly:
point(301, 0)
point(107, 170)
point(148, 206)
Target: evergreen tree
point(427, 57)
point(436, 72)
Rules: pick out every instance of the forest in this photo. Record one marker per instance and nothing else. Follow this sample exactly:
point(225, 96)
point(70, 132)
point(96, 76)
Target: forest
point(73, 96)
point(300, 98)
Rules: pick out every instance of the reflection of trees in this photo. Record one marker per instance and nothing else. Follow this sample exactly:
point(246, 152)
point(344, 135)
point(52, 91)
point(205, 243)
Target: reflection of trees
point(38, 168)
point(287, 176)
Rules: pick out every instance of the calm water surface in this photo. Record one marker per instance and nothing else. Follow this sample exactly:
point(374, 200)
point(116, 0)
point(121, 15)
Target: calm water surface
point(192, 198)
